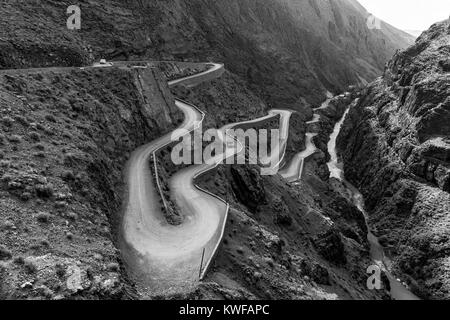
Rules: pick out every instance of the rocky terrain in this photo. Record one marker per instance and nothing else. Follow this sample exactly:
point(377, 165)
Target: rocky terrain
point(308, 242)
point(286, 243)
point(66, 135)
point(396, 146)
point(65, 138)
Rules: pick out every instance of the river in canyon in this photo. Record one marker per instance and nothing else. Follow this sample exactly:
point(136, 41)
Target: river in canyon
point(398, 290)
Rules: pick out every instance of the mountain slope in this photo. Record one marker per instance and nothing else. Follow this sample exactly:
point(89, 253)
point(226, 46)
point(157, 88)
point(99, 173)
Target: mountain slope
point(286, 50)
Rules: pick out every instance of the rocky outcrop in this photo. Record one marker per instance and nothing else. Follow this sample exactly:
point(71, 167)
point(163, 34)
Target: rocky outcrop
point(395, 145)
point(248, 187)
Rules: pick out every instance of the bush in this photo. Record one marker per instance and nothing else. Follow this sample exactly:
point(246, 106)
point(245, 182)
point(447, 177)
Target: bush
point(283, 219)
point(60, 270)
point(15, 138)
point(50, 117)
point(445, 65)
point(8, 225)
point(43, 217)
point(26, 196)
point(49, 132)
point(72, 216)
point(5, 163)
point(39, 155)
point(39, 146)
point(5, 254)
point(19, 260)
point(29, 266)
point(45, 243)
point(60, 205)
point(113, 267)
point(35, 136)
point(7, 121)
point(44, 190)
point(68, 176)
point(22, 120)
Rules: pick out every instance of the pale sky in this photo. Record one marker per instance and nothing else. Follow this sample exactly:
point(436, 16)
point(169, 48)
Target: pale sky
point(409, 14)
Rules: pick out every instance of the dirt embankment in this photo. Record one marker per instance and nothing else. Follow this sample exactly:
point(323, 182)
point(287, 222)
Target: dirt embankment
point(395, 145)
point(65, 138)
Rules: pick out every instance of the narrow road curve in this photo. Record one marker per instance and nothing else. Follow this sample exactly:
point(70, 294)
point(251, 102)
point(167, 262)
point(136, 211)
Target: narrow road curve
point(164, 256)
point(277, 152)
point(209, 74)
point(293, 171)
point(204, 212)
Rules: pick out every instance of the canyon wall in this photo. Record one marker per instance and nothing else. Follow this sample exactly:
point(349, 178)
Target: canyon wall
point(396, 148)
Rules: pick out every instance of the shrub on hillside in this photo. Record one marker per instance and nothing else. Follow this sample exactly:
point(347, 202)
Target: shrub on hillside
point(5, 254)
point(35, 136)
point(44, 190)
point(22, 120)
point(7, 121)
point(15, 138)
point(43, 217)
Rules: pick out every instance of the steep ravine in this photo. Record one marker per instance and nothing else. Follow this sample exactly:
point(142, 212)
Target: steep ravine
point(398, 290)
point(395, 148)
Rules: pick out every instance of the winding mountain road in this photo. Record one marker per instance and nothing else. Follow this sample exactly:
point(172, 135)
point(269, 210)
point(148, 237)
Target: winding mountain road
point(276, 155)
point(168, 257)
point(172, 259)
point(293, 171)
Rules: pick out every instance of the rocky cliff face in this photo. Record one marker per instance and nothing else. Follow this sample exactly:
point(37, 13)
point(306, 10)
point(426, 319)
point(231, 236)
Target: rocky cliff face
point(396, 148)
point(65, 137)
point(286, 50)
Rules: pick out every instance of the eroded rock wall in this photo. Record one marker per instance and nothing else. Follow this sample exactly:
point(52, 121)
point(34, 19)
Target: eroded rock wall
point(396, 145)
